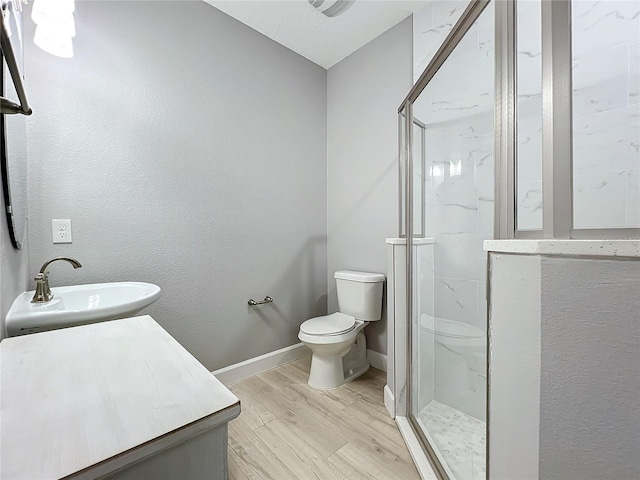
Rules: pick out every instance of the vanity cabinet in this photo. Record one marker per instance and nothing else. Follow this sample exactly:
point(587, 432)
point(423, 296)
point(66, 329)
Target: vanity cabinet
point(118, 400)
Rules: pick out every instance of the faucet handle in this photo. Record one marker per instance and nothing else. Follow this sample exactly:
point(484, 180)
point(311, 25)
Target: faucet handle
point(43, 292)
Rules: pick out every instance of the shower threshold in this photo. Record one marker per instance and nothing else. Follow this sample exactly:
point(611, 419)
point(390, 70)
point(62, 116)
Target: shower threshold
point(458, 439)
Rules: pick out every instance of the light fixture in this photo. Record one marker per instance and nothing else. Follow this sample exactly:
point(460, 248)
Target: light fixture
point(331, 8)
point(50, 40)
point(55, 26)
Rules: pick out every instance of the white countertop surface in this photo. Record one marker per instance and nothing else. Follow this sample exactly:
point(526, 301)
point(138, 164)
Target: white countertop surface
point(416, 241)
point(597, 248)
point(77, 397)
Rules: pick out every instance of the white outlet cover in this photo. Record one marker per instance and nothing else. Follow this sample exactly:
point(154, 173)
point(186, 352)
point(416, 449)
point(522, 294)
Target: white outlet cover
point(61, 230)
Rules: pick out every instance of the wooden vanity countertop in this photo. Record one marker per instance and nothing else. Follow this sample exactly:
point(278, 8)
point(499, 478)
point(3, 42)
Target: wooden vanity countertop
point(86, 401)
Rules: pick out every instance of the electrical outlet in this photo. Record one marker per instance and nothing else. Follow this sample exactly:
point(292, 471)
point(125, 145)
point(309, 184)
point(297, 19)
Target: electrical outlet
point(61, 230)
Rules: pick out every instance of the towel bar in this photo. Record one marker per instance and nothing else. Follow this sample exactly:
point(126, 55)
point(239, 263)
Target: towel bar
point(253, 303)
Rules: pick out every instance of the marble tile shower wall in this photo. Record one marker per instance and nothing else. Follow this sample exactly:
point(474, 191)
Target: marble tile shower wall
point(457, 108)
point(529, 111)
point(431, 25)
point(606, 114)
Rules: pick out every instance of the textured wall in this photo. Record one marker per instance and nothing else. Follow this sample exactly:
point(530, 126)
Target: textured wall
point(364, 92)
point(564, 379)
point(190, 153)
point(14, 274)
point(590, 380)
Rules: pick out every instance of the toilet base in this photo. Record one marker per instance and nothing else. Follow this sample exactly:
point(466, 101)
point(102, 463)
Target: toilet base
point(326, 371)
point(334, 366)
point(348, 377)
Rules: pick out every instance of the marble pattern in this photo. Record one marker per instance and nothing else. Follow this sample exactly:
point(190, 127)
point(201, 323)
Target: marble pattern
point(634, 73)
point(460, 373)
point(529, 196)
point(431, 25)
point(457, 108)
point(481, 302)
point(606, 112)
point(454, 384)
point(600, 67)
point(529, 116)
point(460, 439)
point(423, 343)
point(425, 373)
point(461, 256)
point(486, 210)
point(456, 299)
point(614, 135)
point(425, 270)
point(452, 213)
point(453, 367)
point(606, 107)
point(600, 25)
point(633, 197)
point(530, 107)
point(600, 200)
point(608, 95)
point(530, 155)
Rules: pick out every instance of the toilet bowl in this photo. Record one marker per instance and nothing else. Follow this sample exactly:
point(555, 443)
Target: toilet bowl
point(330, 338)
point(337, 341)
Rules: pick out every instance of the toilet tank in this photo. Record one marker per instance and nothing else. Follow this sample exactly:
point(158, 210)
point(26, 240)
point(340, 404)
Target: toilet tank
point(360, 294)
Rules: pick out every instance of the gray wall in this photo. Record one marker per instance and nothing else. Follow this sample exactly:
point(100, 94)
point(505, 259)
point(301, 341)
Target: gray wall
point(590, 381)
point(14, 272)
point(565, 376)
point(190, 153)
point(364, 92)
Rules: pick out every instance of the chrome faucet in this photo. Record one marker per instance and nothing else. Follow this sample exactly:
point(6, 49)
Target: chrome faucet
point(43, 292)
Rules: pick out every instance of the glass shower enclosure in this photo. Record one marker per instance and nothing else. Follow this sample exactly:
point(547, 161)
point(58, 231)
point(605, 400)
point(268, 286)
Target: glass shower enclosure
point(447, 136)
point(524, 125)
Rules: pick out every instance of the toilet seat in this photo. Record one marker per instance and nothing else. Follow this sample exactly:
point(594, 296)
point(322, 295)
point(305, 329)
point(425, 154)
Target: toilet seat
point(328, 325)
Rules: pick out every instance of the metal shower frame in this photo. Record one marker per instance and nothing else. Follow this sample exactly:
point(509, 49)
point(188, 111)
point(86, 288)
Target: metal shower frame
point(557, 158)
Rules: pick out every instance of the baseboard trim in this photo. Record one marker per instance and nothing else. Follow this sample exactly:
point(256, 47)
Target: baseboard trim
point(420, 459)
point(389, 401)
point(239, 371)
point(377, 360)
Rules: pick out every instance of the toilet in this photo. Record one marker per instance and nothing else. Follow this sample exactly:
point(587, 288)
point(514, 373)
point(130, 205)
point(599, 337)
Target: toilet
point(337, 341)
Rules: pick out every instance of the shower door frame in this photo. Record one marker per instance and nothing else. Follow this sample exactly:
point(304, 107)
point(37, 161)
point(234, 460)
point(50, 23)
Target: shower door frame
point(557, 157)
point(464, 24)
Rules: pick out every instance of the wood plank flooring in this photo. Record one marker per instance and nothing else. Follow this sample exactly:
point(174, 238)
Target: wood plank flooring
point(288, 430)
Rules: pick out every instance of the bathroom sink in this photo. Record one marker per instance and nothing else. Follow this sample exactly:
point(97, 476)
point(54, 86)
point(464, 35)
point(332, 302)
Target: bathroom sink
point(79, 305)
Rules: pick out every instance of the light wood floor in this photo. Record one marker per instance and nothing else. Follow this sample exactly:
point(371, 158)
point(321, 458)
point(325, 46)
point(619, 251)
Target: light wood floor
point(288, 430)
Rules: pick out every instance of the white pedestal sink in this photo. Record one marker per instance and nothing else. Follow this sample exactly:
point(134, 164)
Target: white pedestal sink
point(79, 305)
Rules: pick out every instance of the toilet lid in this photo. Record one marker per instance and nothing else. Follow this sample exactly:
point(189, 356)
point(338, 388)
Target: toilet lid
point(333, 324)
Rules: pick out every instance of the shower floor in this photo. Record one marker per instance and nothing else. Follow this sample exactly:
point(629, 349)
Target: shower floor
point(460, 440)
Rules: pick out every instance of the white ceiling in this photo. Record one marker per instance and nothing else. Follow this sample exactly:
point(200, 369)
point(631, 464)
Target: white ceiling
point(323, 40)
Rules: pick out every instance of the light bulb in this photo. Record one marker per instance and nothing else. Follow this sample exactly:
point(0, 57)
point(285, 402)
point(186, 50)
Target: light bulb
point(49, 40)
point(45, 10)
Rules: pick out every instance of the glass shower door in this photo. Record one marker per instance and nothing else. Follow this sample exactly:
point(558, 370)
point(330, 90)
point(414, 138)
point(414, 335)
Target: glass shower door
point(455, 112)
